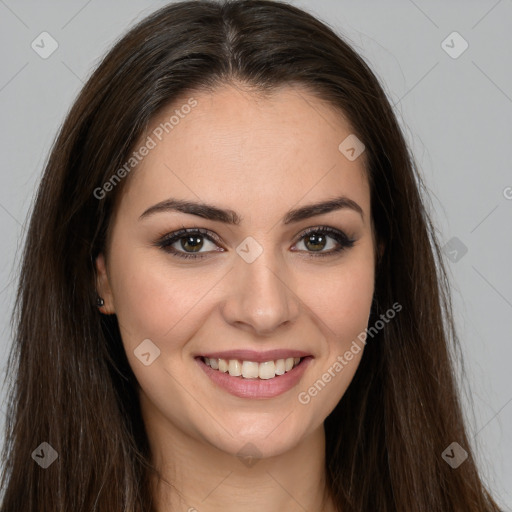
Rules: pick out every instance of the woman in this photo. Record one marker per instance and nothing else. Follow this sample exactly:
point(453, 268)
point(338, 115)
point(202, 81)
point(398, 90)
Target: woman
point(229, 296)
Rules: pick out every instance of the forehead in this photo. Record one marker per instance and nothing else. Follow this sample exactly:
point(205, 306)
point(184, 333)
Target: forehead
point(238, 148)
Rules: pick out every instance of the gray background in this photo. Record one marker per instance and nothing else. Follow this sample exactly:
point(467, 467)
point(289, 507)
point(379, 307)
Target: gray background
point(456, 114)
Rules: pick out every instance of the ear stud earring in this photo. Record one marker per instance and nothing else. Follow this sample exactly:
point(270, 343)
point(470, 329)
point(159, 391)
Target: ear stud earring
point(100, 302)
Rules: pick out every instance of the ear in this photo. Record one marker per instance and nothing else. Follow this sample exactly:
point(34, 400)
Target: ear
point(103, 286)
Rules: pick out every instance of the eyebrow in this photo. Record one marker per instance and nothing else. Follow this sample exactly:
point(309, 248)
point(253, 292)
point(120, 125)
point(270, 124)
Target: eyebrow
point(207, 211)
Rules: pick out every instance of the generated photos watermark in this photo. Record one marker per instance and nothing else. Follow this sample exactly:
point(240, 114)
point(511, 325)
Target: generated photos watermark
point(151, 142)
point(343, 360)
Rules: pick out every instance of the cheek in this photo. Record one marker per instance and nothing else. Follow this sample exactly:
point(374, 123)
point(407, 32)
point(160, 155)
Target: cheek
point(153, 304)
point(150, 301)
point(343, 309)
point(342, 300)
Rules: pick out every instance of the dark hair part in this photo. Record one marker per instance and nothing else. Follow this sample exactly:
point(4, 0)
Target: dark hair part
point(72, 385)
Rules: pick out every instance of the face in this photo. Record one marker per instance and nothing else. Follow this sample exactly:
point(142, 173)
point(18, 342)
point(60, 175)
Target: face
point(263, 287)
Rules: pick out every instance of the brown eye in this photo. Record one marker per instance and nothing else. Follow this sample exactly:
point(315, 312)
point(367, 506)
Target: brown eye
point(187, 243)
point(317, 239)
point(191, 242)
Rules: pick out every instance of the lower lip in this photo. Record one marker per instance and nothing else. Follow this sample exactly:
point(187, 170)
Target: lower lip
point(256, 388)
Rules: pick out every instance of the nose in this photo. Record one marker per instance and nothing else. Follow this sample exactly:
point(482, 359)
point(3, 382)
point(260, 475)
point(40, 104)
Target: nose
point(261, 299)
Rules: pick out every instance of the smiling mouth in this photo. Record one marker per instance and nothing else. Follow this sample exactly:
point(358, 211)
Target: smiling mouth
point(252, 370)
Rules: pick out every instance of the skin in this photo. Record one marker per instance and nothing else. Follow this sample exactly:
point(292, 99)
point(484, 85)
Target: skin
point(259, 157)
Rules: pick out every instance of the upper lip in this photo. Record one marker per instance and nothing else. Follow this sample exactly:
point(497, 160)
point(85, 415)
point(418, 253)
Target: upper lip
point(256, 356)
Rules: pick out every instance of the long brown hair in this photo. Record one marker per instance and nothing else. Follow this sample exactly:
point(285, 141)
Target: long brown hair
point(72, 386)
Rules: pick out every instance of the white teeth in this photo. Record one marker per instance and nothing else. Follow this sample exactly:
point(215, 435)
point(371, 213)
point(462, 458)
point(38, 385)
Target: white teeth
point(235, 368)
point(267, 370)
point(252, 370)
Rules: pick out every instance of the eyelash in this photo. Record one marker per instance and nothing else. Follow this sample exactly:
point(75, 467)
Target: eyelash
point(169, 239)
